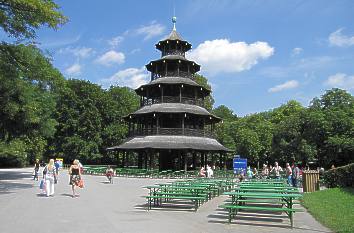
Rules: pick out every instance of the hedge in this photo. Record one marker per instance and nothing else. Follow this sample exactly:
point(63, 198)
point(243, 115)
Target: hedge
point(340, 176)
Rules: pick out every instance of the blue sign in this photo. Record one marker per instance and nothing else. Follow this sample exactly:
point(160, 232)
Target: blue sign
point(240, 165)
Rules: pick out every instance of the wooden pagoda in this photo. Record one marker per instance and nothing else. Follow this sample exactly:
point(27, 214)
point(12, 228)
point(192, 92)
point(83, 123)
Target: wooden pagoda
point(172, 129)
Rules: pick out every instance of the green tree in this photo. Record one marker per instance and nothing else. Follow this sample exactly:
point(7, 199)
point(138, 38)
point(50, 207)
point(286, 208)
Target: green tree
point(20, 18)
point(330, 126)
point(27, 101)
point(203, 81)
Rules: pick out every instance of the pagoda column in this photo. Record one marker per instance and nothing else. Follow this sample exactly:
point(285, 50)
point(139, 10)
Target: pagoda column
point(179, 62)
point(157, 124)
point(180, 93)
point(183, 125)
point(185, 161)
point(161, 87)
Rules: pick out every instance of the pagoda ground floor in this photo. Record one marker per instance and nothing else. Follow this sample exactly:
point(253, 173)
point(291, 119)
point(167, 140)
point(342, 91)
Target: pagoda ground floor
point(120, 207)
point(166, 159)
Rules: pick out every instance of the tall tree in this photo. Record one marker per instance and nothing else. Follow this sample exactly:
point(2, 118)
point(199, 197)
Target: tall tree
point(27, 101)
point(20, 18)
point(203, 81)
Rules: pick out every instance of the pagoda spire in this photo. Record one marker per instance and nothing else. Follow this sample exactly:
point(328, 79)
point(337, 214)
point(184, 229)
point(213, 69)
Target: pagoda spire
point(174, 20)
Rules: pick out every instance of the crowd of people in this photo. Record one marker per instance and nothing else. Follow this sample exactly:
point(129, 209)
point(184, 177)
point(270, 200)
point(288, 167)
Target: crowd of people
point(292, 173)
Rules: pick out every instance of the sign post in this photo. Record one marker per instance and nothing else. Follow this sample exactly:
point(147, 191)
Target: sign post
point(240, 165)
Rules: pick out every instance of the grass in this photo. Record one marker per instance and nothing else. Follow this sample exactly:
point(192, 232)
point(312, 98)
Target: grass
point(334, 208)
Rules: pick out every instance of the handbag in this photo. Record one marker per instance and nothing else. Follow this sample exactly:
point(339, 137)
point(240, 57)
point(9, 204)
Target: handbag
point(81, 183)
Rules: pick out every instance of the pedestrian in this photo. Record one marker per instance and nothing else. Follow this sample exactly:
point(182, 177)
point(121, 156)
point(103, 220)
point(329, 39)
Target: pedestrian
point(202, 172)
point(255, 173)
point(289, 172)
point(276, 170)
point(50, 177)
point(57, 165)
point(36, 169)
point(295, 175)
point(209, 171)
point(249, 173)
point(110, 174)
point(265, 171)
point(75, 176)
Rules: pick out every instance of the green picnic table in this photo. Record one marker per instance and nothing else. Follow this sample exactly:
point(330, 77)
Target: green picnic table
point(240, 198)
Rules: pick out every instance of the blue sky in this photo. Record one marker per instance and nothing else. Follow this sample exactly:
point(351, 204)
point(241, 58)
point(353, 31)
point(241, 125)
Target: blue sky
point(256, 54)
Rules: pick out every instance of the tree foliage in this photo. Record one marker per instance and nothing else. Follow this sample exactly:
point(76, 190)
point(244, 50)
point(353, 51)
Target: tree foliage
point(20, 18)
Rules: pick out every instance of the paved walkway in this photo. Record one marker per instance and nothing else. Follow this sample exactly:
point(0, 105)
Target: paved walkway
point(119, 208)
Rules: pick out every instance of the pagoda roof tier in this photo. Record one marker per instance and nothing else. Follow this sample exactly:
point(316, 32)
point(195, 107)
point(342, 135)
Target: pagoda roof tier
point(173, 37)
point(172, 142)
point(171, 81)
point(173, 108)
point(194, 67)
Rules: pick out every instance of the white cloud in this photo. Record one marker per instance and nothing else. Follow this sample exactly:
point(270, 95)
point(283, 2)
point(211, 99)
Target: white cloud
point(80, 52)
point(341, 80)
point(115, 41)
point(222, 55)
point(338, 39)
point(131, 77)
point(111, 57)
point(151, 30)
point(75, 69)
point(296, 51)
point(285, 86)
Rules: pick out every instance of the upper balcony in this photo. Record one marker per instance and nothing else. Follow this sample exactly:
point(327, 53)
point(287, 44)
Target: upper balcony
point(172, 131)
point(172, 99)
point(173, 52)
point(175, 73)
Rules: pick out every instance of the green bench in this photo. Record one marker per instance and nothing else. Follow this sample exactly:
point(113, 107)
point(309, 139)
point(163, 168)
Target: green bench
point(234, 208)
point(155, 199)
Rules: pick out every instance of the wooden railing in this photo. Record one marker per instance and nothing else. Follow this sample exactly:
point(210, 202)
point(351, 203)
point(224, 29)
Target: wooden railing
point(173, 99)
point(176, 73)
point(172, 131)
point(173, 52)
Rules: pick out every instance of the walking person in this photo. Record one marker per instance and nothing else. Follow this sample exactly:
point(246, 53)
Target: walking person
point(265, 171)
point(75, 176)
point(209, 171)
point(110, 174)
point(289, 173)
point(202, 172)
point(57, 166)
point(36, 169)
point(276, 170)
point(50, 177)
point(295, 175)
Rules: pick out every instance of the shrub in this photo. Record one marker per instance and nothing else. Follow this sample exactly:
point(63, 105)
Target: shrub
point(340, 177)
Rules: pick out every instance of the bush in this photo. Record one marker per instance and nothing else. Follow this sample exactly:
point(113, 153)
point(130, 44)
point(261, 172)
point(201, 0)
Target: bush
point(340, 177)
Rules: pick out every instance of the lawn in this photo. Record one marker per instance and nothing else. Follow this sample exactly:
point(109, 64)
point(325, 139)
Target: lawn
point(334, 208)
